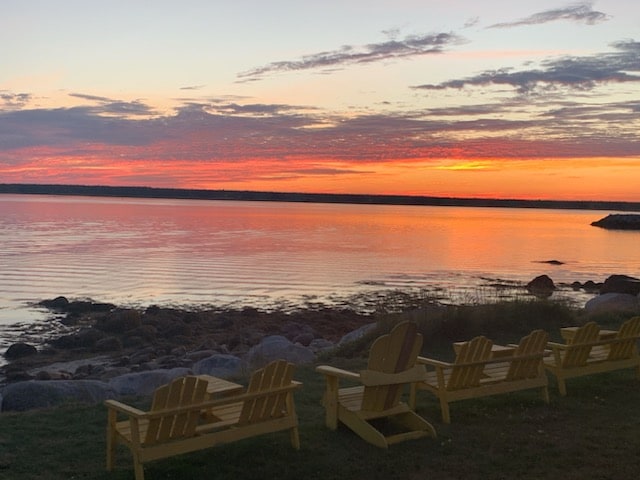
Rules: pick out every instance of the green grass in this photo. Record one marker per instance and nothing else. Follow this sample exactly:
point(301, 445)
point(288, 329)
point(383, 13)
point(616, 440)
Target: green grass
point(593, 433)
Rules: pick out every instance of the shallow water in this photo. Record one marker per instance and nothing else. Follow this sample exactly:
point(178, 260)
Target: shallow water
point(280, 255)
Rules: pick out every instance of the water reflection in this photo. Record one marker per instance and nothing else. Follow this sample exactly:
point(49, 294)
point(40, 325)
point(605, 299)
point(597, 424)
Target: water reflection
point(182, 252)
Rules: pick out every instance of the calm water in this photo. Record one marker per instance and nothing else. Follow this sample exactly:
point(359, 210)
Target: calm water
point(181, 252)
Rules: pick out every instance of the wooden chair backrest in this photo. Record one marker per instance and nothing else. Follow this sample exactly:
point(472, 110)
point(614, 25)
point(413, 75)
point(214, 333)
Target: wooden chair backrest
point(181, 392)
point(278, 373)
point(464, 375)
point(577, 355)
point(623, 350)
point(394, 352)
point(532, 344)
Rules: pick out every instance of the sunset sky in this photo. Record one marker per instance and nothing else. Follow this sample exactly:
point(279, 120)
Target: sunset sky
point(511, 99)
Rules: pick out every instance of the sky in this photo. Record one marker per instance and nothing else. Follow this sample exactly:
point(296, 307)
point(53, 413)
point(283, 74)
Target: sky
point(491, 99)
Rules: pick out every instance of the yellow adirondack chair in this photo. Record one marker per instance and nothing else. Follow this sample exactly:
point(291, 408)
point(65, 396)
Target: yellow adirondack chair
point(391, 366)
point(569, 358)
point(455, 381)
point(182, 419)
point(627, 347)
point(588, 353)
point(527, 359)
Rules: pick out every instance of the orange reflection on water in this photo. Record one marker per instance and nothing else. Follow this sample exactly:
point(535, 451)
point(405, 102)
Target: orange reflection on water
point(200, 252)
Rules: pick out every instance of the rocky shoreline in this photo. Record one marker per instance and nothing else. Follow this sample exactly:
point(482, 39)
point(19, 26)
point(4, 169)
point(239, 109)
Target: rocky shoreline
point(113, 352)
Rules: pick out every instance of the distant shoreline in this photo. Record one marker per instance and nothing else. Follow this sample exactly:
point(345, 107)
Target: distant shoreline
point(240, 195)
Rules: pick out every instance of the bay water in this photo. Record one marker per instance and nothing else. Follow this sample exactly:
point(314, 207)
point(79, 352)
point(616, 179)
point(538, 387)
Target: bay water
point(203, 253)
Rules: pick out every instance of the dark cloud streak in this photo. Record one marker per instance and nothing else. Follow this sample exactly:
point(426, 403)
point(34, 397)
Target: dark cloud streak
point(579, 12)
point(583, 73)
point(410, 46)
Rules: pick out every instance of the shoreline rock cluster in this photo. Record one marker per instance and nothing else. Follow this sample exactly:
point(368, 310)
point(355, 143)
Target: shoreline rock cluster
point(115, 352)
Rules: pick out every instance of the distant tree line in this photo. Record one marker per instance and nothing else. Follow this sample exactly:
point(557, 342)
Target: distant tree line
point(182, 193)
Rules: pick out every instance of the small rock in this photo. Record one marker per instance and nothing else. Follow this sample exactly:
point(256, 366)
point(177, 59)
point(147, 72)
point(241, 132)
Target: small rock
point(541, 286)
point(20, 350)
point(59, 303)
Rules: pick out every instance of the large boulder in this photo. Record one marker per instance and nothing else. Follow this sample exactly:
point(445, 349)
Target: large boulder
point(145, 383)
point(621, 284)
point(22, 396)
point(275, 347)
point(613, 302)
point(541, 286)
point(357, 334)
point(218, 365)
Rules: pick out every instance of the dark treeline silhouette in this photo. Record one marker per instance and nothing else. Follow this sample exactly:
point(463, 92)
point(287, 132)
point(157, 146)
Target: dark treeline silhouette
point(181, 193)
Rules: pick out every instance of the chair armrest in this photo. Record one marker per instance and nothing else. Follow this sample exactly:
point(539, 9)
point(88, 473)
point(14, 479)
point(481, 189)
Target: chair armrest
point(337, 372)
point(556, 346)
point(433, 362)
point(123, 408)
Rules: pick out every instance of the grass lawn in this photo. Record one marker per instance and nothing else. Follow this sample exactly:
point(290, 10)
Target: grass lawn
point(594, 432)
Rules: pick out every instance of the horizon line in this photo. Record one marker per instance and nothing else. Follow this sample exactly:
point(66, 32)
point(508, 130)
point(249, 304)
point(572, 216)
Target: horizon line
point(305, 197)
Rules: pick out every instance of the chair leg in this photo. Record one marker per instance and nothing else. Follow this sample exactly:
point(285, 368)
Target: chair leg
point(330, 402)
point(562, 386)
point(138, 467)
point(413, 391)
point(444, 406)
point(545, 394)
point(295, 438)
point(111, 440)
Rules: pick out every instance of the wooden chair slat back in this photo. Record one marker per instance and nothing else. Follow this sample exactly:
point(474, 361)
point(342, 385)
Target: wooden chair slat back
point(180, 392)
point(276, 374)
point(532, 344)
point(394, 352)
point(623, 350)
point(577, 355)
point(464, 376)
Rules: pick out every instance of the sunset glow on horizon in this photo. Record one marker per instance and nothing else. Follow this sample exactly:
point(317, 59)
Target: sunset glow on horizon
point(480, 100)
